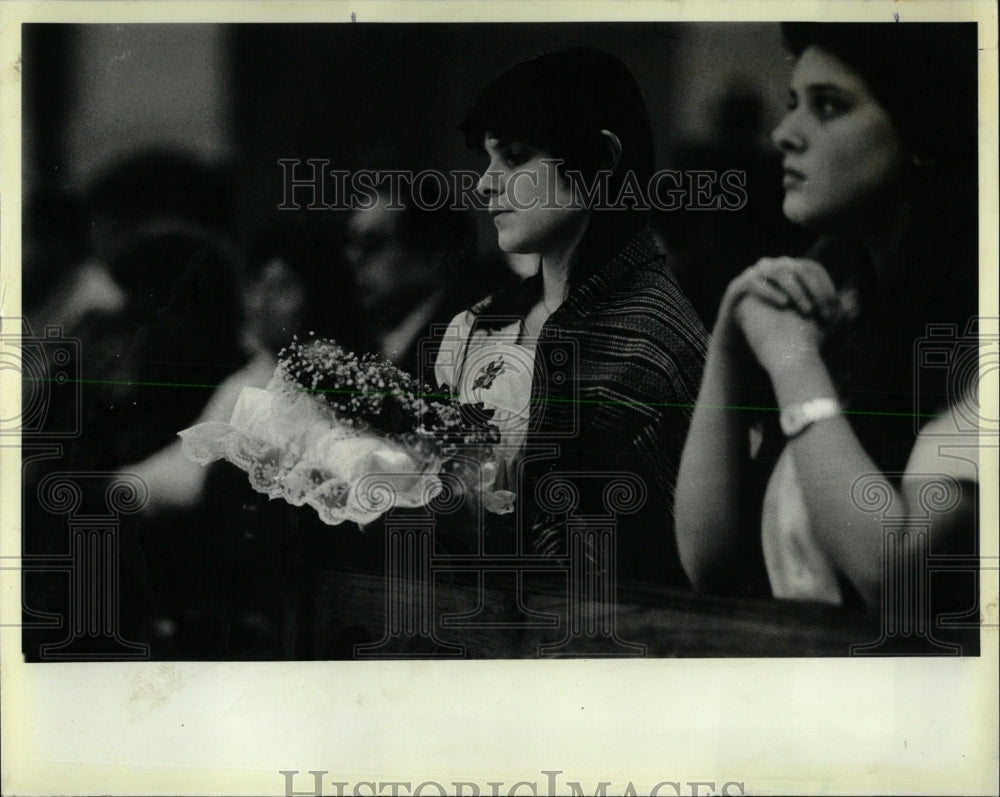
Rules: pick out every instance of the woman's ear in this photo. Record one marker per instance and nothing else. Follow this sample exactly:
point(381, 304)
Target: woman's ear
point(614, 148)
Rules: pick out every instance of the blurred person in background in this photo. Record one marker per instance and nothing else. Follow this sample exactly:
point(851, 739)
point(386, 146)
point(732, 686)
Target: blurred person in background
point(62, 281)
point(160, 184)
point(296, 284)
point(180, 330)
point(226, 580)
point(160, 228)
point(408, 265)
point(175, 337)
point(66, 289)
point(156, 312)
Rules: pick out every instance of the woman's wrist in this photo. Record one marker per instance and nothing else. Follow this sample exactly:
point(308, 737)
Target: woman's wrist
point(800, 378)
point(794, 363)
point(725, 322)
point(728, 362)
point(726, 340)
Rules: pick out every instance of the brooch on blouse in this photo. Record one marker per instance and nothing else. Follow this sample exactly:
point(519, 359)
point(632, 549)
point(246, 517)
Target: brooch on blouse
point(488, 374)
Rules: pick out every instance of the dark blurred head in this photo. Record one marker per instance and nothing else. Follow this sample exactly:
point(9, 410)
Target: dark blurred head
point(183, 311)
point(405, 246)
point(159, 185)
point(179, 269)
point(560, 103)
point(298, 282)
point(179, 337)
point(55, 228)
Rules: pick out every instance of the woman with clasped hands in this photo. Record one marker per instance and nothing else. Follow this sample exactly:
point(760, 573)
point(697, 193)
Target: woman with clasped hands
point(879, 158)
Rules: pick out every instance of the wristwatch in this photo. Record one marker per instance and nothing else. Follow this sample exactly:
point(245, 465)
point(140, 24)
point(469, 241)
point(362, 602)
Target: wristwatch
point(799, 417)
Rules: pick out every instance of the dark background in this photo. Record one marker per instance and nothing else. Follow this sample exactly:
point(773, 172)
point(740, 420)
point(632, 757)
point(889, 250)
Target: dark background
point(247, 95)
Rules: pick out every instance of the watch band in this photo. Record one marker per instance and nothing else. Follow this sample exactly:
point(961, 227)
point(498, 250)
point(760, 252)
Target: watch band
point(796, 419)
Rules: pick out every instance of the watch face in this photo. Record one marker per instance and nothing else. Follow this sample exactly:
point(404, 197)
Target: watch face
point(794, 419)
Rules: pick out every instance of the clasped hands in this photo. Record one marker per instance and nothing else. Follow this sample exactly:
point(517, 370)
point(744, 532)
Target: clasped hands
point(782, 309)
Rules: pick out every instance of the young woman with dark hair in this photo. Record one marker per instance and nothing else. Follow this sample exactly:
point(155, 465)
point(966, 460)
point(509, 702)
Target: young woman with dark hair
point(568, 137)
point(879, 146)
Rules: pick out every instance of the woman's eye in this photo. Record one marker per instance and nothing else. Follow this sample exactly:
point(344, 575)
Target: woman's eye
point(515, 156)
point(828, 107)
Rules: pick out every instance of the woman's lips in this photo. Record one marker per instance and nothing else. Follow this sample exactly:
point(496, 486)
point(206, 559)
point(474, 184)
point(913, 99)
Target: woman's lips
point(792, 177)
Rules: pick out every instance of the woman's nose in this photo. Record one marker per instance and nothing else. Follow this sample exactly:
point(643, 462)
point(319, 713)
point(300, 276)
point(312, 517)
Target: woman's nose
point(490, 183)
point(787, 136)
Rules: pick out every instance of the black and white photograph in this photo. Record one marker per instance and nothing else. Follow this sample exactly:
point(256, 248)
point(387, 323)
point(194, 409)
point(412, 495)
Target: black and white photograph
point(389, 390)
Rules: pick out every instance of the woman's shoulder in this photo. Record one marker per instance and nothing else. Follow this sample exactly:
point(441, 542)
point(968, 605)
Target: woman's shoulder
point(451, 346)
point(461, 324)
point(949, 443)
point(647, 295)
point(642, 267)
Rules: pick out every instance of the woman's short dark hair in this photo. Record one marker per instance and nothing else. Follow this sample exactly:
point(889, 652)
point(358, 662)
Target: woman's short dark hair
point(560, 102)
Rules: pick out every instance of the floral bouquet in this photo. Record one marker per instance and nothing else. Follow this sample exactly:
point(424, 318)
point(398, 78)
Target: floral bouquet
point(351, 437)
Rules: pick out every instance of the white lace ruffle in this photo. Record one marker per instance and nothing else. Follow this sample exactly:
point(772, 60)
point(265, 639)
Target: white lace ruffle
point(291, 447)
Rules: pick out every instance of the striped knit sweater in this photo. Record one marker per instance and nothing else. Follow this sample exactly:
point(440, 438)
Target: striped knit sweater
point(640, 350)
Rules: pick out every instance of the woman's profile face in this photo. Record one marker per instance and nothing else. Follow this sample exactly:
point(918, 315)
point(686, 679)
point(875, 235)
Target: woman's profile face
point(844, 160)
point(532, 204)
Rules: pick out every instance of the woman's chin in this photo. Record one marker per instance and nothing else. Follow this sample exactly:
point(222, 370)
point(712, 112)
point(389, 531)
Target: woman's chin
point(795, 210)
point(513, 245)
point(805, 216)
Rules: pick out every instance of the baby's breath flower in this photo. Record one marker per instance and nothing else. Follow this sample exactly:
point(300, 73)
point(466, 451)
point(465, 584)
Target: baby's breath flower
point(370, 392)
